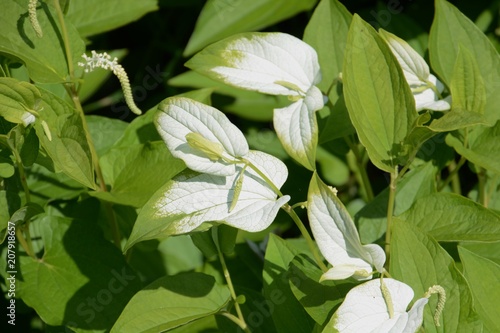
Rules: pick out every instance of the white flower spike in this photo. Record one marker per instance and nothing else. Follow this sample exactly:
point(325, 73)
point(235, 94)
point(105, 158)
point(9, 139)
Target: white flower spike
point(200, 135)
point(103, 60)
point(276, 64)
point(338, 238)
point(365, 309)
point(426, 87)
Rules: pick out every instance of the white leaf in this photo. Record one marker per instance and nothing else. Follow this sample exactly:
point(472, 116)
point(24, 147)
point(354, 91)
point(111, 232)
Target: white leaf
point(179, 116)
point(365, 309)
point(414, 67)
point(428, 99)
point(337, 236)
point(297, 129)
point(271, 63)
point(192, 198)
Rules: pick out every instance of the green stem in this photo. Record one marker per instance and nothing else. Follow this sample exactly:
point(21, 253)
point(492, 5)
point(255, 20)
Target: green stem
point(289, 210)
point(361, 168)
point(73, 92)
point(453, 174)
point(481, 187)
point(229, 282)
point(236, 320)
point(390, 213)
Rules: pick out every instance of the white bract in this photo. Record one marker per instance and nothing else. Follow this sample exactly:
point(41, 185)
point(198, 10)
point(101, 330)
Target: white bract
point(424, 86)
point(193, 198)
point(183, 118)
point(365, 309)
point(338, 238)
point(276, 64)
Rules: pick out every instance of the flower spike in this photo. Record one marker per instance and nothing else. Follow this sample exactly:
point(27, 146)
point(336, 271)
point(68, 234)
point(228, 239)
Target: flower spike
point(33, 19)
point(103, 60)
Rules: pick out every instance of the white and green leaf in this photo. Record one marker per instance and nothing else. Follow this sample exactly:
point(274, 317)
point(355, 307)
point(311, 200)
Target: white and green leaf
point(191, 198)
point(365, 309)
point(271, 63)
point(337, 236)
point(200, 135)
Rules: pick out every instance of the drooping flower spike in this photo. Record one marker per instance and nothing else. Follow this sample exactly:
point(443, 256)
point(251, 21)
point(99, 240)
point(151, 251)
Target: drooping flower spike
point(275, 64)
point(338, 238)
point(103, 60)
point(426, 88)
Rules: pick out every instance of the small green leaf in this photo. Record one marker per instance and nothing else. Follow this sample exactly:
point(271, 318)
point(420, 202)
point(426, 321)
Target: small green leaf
point(482, 147)
point(44, 57)
point(136, 172)
point(222, 18)
point(66, 143)
point(16, 98)
point(172, 301)
point(6, 169)
point(467, 221)
point(421, 262)
point(92, 17)
point(481, 275)
point(379, 100)
point(327, 33)
point(451, 30)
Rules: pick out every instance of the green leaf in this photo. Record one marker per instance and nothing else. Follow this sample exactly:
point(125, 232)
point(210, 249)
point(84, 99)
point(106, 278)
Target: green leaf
point(482, 147)
point(421, 262)
point(44, 57)
point(136, 172)
point(16, 98)
point(379, 100)
point(104, 132)
point(288, 315)
point(172, 301)
point(65, 140)
point(372, 219)
point(222, 18)
point(482, 274)
point(327, 33)
point(320, 300)
point(451, 30)
point(338, 123)
point(466, 221)
point(490, 250)
point(92, 17)
point(81, 281)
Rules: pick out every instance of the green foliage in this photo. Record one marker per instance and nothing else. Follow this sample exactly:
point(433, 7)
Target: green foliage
point(200, 215)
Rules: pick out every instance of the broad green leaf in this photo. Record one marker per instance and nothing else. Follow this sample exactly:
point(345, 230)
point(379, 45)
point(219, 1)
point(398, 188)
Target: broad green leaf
point(16, 98)
point(482, 275)
point(319, 299)
point(338, 123)
point(419, 261)
point(288, 315)
point(81, 281)
point(172, 301)
point(65, 140)
point(44, 57)
point(469, 95)
point(465, 221)
point(482, 147)
point(202, 136)
point(337, 236)
point(365, 309)
point(452, 30)
point(104, 132)
point(92, 17)
point(222, 18)
point(327, 33)
point(489, 250)
point(372, 219)
point(136, 172)
point(379, 100)
point(191, 198)
point(247, 104)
